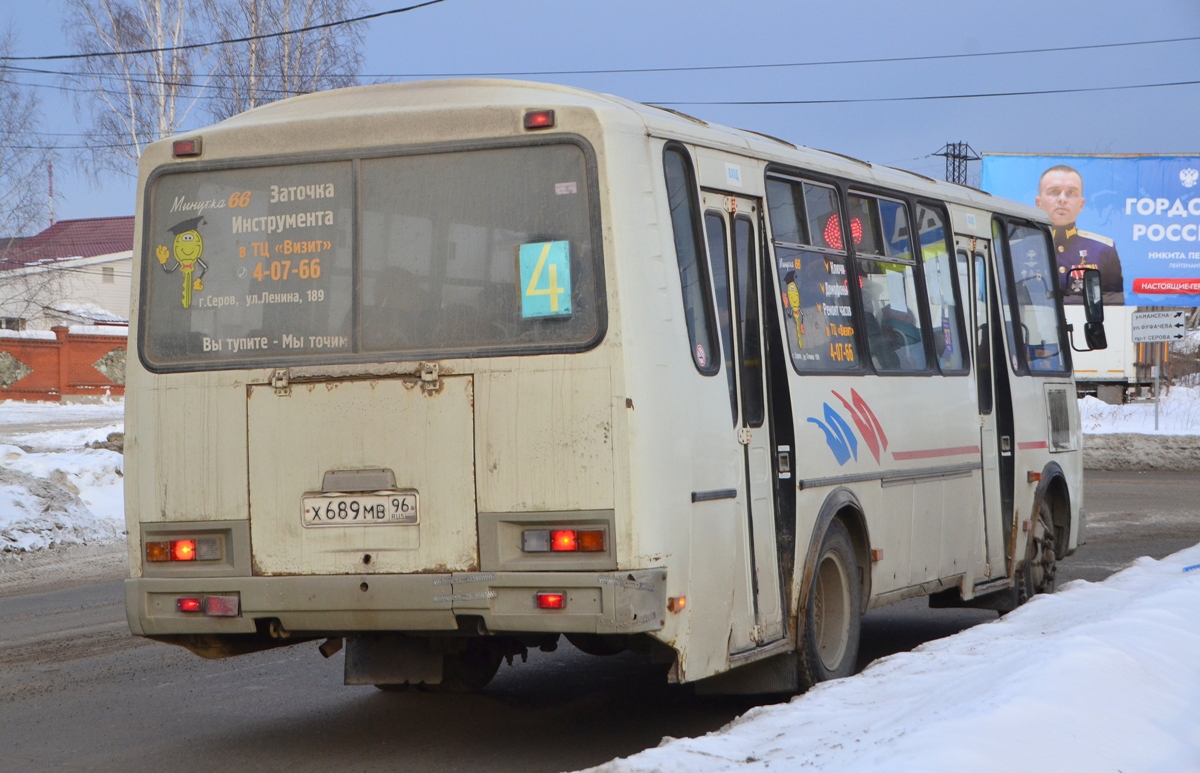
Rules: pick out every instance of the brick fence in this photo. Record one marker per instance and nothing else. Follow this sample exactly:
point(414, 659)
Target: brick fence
point(70, 364)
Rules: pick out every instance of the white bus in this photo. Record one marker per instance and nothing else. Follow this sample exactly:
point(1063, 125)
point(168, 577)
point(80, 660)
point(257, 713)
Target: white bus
point(445, 370)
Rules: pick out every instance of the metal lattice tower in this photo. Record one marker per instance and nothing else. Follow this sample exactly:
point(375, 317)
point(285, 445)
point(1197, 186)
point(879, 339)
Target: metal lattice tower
point(957, 154)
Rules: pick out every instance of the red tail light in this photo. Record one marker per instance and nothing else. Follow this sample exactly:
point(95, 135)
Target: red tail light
point(189, 604)
point(221, 606)
point(551, 600)
point(564, 540)
point(183, 550)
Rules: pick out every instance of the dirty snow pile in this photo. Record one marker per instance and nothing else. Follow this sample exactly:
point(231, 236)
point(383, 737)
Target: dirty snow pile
point(53, 489)
point(1178, 414)
point(1097, 677)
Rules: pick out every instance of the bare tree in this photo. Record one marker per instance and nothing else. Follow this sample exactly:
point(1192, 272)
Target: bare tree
point(24, 155)
point(130, 99)
point(24, 197)
point(246, 75)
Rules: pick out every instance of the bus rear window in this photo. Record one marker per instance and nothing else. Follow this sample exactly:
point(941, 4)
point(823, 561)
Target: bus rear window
point(454, 254)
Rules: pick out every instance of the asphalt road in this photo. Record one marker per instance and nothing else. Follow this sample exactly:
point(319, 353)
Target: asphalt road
point(78, 693)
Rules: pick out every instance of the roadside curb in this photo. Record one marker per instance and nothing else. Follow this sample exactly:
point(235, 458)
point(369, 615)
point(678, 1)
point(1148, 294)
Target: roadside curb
point(1131, 451)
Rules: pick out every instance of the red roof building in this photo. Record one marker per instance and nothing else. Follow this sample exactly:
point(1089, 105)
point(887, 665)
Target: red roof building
point(69, 239)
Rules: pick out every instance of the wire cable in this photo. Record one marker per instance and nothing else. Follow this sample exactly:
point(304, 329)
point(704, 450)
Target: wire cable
point(247, 39)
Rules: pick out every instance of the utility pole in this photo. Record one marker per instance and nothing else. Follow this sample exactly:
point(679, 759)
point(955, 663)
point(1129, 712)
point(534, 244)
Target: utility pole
point(957, 154)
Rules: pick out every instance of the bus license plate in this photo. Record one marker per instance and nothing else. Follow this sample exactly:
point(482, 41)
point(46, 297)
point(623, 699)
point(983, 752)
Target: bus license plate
point(383, 508)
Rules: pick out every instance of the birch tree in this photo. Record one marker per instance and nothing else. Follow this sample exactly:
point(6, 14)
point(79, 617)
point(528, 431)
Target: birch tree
point(24, 195)
point(129, 100)
point(246, 75)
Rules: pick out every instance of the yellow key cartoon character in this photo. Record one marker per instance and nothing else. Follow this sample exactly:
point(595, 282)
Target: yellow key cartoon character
point(187, 248)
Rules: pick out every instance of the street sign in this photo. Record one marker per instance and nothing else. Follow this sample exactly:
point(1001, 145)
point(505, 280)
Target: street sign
point(1155, 326)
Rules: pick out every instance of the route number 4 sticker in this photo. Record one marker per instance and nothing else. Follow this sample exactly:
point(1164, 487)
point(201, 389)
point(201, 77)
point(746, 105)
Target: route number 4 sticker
point(545, 279)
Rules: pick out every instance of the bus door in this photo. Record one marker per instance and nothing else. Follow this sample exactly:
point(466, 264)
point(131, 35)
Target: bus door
point(995, 401)
point(732, 227)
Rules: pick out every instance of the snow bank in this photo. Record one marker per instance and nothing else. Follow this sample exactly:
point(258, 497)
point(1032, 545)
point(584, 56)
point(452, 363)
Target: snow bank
point(1099, 676)
point(1178, 414)
point(63, 493)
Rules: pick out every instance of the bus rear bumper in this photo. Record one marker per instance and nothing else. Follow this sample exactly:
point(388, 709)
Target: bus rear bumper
point(596, 602)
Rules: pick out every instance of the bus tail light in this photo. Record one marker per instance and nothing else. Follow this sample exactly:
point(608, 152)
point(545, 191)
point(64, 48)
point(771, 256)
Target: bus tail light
point(183, 550)
point(189, 604)
point(551, 600)
point(563, 541)
point(198, 549)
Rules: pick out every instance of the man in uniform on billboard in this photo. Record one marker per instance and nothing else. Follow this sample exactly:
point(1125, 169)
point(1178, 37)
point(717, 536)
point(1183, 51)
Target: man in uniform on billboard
point(1060, 195)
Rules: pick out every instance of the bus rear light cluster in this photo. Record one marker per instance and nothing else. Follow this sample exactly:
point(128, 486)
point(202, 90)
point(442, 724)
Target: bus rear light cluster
point(212, 606)
point(563, 541)
point(202, 549)
point(186, 148)
point(551, 600)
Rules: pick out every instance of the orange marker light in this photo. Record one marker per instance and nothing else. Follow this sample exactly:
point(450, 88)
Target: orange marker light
point(548, 600)
point(190, 604)
point(591, 541)
point(676, 603)
point(564, 540)
point(183, 550)
point(158, 551)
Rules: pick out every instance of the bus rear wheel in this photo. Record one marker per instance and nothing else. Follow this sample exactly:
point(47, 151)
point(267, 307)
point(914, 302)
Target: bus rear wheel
point(832, 614)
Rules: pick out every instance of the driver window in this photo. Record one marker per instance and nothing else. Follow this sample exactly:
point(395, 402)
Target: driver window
point(880, 231)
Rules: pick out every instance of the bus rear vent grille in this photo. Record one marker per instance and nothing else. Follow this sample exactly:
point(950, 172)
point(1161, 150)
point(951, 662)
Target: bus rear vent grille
point(1060, 420)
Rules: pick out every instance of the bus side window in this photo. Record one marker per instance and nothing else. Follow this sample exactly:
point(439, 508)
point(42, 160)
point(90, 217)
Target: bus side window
point(718, 257)
point(939, 290)
point(810, 258)
point(983, 338)
point(685, 222)
point(888, 276)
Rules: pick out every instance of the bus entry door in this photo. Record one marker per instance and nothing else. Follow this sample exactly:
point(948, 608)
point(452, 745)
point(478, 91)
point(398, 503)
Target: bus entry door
point(988, 360)
point(732, 229)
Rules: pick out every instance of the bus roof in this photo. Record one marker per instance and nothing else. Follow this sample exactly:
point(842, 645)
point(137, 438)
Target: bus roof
point(480, 93)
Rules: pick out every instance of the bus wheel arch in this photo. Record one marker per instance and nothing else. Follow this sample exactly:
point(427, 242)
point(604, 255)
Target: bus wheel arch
point(1048, 535)
point(834, 589)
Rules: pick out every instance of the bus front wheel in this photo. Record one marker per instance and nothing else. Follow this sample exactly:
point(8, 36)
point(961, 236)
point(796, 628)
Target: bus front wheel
point(1038, 575)
point(832, 613)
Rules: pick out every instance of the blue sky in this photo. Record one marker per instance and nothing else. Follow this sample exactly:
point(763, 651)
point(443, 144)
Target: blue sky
point(522, 35)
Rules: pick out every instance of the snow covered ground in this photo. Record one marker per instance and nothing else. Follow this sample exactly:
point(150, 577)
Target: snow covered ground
point(54, 490)
point(1178, 414)
point(1096, 677)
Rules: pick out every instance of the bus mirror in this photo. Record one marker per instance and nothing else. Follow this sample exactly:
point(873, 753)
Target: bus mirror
point(1093, 333)
point(1093, 301)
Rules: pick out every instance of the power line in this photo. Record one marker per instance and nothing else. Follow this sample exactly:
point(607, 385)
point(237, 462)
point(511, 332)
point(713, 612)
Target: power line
point(612, 71)
point(247, 39)
point(928, 97)
point(819, 63)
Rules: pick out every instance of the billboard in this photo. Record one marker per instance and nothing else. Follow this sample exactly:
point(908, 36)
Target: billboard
point(1136, 218)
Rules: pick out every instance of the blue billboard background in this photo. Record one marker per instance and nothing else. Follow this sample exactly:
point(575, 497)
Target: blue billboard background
point(1149, 206)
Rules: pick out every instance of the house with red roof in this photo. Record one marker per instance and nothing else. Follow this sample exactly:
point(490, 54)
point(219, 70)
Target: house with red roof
point(76, 272)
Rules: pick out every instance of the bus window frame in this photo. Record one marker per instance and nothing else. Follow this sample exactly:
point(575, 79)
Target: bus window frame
point(948, 236)
point(700, 235)
point(1005, 260)
point(797, 175)
point(353, 156)
point(870, 191)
